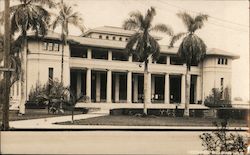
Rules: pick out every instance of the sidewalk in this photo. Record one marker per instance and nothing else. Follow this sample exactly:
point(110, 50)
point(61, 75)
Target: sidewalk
point(49, 124)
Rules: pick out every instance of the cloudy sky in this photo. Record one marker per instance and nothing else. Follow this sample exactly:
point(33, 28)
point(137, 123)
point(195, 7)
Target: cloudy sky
point(227, 27)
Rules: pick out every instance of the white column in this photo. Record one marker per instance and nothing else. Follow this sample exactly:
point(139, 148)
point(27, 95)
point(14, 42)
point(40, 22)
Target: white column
point(152, 86)
point(98, 87)
point(135, 88)
point(129, 86)
point(183, 90)
point(150, 59)
point(168, 60)
point(166, 93)
point(79, 84)
point(149, 88)
point(198, 88)
point(117, 87)
point(89, 53)
point(88, 84)
point(130, 58)
point(109, 86)
point(109, 55)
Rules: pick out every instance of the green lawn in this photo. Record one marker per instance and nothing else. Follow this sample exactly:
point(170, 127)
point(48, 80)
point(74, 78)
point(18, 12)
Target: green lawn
point(34, 114)
point(153, 121)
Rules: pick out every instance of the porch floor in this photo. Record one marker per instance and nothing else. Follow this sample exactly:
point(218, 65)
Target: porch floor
point(138, 105)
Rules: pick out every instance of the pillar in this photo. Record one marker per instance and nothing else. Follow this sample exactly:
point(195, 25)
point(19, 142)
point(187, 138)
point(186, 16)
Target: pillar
point(109, 55)
point(183, 90)
point(117, 87)
point(198, 88)
point(166, 91)
point(149, 89)
point(129, 86)
point(150, 59)
point(79, 84)
point(89, 53)
point(109, 86)
point(130, 58)
point(168, 60)
point(98, 87)
point(135, 88)
point(88, 84)
point(152, 86)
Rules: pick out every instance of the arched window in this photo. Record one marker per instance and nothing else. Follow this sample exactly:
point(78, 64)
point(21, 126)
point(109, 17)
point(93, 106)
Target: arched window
point(100, 36)
point(120, 38)
point(107, 37)
point(113, 37)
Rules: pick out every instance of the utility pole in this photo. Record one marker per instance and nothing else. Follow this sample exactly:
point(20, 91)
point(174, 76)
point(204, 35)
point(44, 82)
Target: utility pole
point(5, 123)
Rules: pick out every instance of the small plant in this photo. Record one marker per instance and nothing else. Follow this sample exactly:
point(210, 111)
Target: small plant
point(222, 142)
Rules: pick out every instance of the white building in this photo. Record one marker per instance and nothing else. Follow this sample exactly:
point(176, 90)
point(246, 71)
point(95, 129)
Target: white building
point(97, 66)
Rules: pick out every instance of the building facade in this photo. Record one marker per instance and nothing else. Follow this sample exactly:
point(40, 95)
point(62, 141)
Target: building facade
point(96, 65)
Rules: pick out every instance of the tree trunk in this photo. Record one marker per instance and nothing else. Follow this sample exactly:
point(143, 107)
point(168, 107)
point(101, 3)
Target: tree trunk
point(187, 97)
point(23, 76)
point(62, 61)
point(72, 113)
point(5, 122)
point(145, 87)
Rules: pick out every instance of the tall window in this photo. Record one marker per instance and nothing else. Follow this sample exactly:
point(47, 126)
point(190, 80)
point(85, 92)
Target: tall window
point(221, 87)
point(218, 60)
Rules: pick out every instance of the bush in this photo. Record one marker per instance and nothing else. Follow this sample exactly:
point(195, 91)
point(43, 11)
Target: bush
point(53, 94)
point(215, 98)
point(222, 142)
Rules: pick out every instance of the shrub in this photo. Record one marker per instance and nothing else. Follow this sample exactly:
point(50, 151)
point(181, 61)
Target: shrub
point(222, 142)
point(53, 94)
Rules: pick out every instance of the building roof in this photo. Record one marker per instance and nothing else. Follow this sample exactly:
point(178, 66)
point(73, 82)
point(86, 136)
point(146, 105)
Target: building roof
point(113, 31)
point(113, 44)
point(216, 51)
point(110, 30)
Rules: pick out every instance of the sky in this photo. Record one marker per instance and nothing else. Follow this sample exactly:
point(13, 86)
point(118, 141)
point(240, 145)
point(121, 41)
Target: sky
point(227, 27)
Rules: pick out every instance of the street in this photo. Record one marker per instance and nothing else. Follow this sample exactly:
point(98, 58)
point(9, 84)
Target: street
point(101, 142)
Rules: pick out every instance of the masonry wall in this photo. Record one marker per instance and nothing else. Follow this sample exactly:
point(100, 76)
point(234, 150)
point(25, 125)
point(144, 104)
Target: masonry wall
point(213, 72)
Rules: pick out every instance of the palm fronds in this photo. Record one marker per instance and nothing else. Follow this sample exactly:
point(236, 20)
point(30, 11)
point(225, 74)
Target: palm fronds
point(163, 28)
point(175, 38)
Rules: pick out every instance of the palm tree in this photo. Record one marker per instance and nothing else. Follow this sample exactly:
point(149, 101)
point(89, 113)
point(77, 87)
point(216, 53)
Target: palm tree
point(66, 16)
point(142, 44)
point(191, 49)
point(28, 15)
